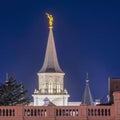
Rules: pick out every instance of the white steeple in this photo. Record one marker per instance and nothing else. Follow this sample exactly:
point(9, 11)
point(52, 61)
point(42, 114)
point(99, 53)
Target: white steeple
point(51, 77)
point(50, 62)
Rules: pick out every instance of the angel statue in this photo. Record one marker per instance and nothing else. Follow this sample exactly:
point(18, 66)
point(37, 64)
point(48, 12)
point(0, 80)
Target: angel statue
point(50, 17)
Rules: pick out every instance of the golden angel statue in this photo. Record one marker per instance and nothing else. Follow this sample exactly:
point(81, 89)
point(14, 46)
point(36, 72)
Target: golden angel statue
point(50, 17)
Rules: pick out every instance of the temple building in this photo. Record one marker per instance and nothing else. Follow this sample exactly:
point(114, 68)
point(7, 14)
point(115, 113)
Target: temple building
point(50, 76)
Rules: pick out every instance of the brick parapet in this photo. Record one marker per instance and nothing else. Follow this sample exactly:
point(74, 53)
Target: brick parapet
point(82, 112)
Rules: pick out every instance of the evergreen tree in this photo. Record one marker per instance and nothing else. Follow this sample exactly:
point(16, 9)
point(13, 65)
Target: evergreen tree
point(1, 94)
point(12, 93)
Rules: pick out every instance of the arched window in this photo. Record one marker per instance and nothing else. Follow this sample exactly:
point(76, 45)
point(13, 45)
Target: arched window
point(50, 86)
point(58, 87)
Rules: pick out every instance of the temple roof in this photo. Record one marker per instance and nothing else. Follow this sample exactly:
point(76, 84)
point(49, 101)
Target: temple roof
point(87, 97)
point(51, 61)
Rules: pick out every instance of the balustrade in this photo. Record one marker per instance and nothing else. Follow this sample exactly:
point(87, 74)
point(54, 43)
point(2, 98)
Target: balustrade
point(56, 111)
point(35, 112)
point(66, 112)
point(7, 112)
point(96, 111)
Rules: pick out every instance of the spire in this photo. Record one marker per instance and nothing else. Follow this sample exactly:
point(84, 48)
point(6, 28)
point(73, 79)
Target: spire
point(50, 62)
point(87, 97)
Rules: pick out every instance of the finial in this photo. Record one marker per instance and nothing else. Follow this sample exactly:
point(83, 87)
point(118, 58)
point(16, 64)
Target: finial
point(50, 18)
point(87, 75)
point(87, 78)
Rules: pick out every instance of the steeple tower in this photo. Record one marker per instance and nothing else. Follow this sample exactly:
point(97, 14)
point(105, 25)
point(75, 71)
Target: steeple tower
point(87, 97)
point(50, 76)
point(50, 62)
